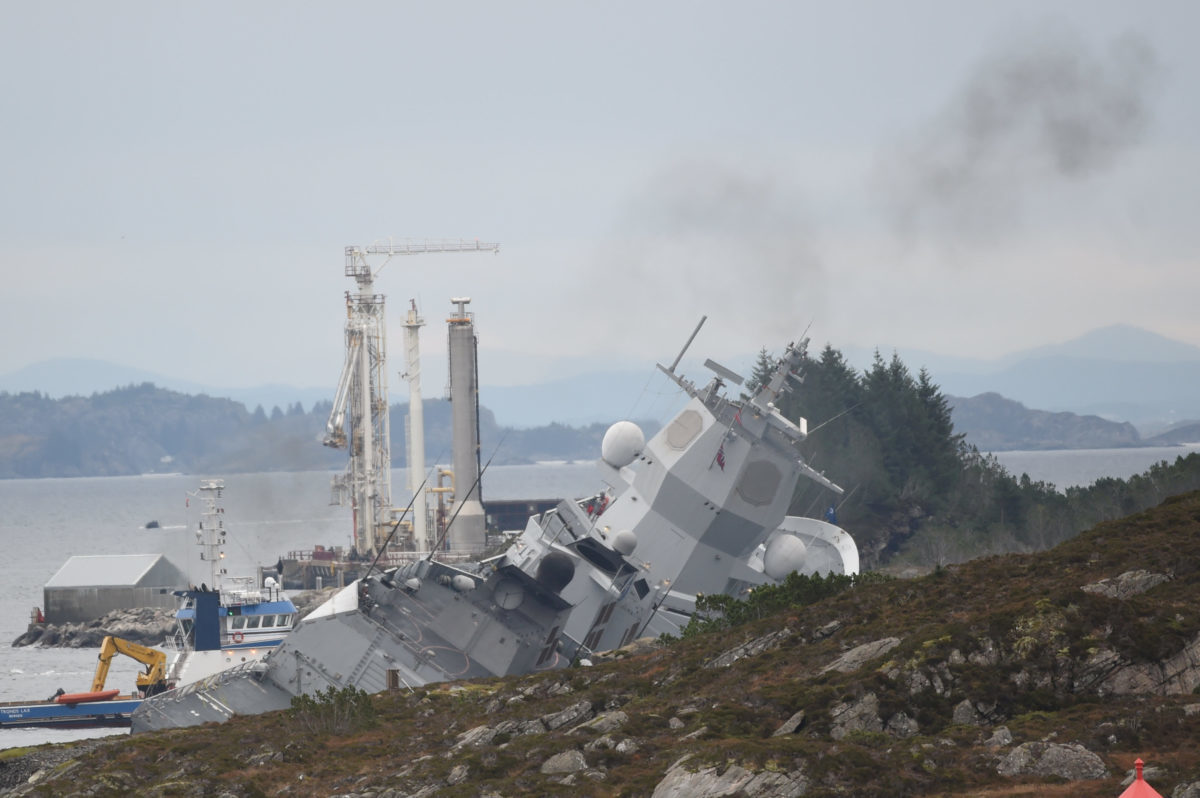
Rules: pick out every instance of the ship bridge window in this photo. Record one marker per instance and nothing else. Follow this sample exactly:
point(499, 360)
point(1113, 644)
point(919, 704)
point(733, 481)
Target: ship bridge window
point(238, 622)
point(252, 622)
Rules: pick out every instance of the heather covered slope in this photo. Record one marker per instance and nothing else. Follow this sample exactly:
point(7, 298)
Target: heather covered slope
point(1044, 674)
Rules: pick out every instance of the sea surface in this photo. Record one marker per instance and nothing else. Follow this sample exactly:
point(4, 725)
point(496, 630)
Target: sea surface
point(1068, 468)
point(45, 521)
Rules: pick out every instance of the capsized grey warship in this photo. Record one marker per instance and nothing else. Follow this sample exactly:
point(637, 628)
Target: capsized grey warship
point(700, 508)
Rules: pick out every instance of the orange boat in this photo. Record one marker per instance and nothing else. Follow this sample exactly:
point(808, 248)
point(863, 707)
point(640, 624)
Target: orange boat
point(80, 698)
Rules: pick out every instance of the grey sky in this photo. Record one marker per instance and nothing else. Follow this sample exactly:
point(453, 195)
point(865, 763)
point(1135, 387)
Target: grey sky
point(968, 178)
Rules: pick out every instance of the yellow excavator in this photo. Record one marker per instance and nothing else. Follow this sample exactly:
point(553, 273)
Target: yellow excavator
point(150, 682)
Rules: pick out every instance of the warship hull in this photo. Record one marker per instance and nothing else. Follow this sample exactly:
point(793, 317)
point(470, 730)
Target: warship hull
point(700, 508)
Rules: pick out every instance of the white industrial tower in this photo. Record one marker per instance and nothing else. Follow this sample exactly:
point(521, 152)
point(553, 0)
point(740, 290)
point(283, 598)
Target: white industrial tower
point(413, 322)
point(469, 530)
point(359, 419)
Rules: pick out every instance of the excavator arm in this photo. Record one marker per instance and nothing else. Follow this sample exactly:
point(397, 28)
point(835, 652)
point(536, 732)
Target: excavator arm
point(149, 682)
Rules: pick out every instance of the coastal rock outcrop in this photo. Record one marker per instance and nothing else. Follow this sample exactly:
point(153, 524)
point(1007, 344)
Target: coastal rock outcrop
point(1127, 585)
point(707, 782)
point(148, 626)
point(855, 716)
point(858, 656)
point(1069, 761)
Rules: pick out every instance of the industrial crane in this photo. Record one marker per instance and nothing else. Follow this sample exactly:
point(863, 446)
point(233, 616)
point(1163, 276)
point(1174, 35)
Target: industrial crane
point(150, 682)
point(359, 419)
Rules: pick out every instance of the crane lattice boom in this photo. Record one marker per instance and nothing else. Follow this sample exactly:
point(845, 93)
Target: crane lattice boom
point(359, 419)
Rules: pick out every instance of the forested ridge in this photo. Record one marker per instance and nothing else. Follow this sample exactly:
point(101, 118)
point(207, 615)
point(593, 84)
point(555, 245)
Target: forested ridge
point(916, 491)
point(142, 429)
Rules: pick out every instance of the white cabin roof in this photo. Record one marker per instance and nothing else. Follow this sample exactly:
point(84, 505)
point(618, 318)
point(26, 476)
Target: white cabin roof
point(115, 570)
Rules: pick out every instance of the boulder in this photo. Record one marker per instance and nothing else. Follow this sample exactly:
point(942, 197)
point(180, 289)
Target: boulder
point(965, 714)
point(1000, 738)
point(604, 722)
point(573, 714)
point(1127, 585)
point(858, 656)
point(480, 735)
point(534, 726)
point(706, 782)
point(1187, 790)
point(791, 725)
point(828, 630)
point(570, 761)
point(1176, 675)
point(855, 716)
point(1068, 761)
point(749, 649)
point(901, 725)
point(1149, 773)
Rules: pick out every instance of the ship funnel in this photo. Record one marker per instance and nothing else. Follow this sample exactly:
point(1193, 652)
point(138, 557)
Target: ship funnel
point(468, 532)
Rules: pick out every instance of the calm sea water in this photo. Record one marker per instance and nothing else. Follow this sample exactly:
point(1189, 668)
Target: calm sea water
point(1068, 468)
point(45, 521)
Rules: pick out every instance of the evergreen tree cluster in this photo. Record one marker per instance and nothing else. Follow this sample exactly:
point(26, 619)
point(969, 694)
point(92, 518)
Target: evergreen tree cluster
point(915, 489)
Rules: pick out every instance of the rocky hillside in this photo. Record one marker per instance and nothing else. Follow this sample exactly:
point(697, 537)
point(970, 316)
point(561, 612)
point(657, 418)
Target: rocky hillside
point(1178, 434)
point(1030, 675)
point(993, 423)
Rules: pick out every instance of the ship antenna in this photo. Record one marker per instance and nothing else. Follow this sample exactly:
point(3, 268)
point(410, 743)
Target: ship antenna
point(691, 337)
point(396, 525)
point(829, 421)
point(446, 530)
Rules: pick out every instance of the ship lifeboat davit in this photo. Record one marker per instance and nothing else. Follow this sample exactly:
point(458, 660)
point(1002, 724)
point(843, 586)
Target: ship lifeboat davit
point(82, 698)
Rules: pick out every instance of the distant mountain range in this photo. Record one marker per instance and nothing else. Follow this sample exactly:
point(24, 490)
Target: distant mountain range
point(59, 377)
point(1118, 373)
point(993, 423)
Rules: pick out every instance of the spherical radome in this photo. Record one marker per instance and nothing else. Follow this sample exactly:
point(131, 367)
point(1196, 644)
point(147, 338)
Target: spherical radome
point(555, 571)
point(622, 443)
point(624, 541)
point(784, 554)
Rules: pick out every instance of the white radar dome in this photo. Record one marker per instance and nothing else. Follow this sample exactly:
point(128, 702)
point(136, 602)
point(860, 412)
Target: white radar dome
point(784, 554)
point(622, 443)
point(624, 541)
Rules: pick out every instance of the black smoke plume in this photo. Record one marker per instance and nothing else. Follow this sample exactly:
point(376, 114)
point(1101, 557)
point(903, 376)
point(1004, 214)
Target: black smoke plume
point(1046, 110)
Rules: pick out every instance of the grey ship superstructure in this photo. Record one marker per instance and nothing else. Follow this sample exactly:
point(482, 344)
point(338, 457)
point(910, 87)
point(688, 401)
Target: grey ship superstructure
point(700, 508)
